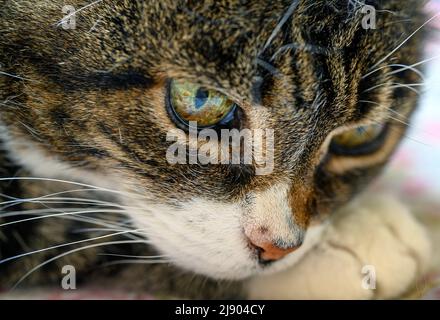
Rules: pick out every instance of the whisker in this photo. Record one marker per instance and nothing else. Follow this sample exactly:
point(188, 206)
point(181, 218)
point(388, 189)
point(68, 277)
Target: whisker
point(395, 86)
point(44, 203)
point(109, 225)
point(119, 262)
point(405, 41)
point(59, 214)
point(409, 138)
point(89, 230)
point(407, 86)
point(404, 67)
point(397, 119)
point(66, 18)
point(73, 251)
point(368, 101)
point(7, 196)
point(411, 67)
point(274, 71)
point(16, 76)
point(64, 245)
point(63, 181)
point(51, 194)
point(306, 47)
point(67, 200)
point(77, 217)
point(131, 256)
point(283, 20)
point(36, 211)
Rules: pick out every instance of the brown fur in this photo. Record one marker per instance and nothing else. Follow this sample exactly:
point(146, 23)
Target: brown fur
point(94, 98)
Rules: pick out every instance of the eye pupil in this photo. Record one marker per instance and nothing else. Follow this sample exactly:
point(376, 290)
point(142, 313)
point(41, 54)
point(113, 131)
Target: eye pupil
point(188, 102)
point(201, 98)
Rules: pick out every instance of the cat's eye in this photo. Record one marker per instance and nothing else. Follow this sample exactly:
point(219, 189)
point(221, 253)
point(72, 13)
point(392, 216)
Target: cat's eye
point(190, 102)
point(360, 140)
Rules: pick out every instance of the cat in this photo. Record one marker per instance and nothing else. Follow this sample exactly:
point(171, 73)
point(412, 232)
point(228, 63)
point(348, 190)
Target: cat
point(90, 91)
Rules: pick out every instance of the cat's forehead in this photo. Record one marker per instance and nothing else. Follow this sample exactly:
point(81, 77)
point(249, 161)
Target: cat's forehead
point(213, 43)
point(225, 44)
point(217, 43)
point(237, 45)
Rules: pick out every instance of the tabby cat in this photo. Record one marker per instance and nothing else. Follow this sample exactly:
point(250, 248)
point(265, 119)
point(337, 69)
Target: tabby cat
point(89, 96)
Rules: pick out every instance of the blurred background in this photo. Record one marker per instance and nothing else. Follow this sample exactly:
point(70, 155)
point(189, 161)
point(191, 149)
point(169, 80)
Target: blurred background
point(414, 173)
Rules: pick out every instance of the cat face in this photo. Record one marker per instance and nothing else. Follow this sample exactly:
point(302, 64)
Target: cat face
point(95, 103)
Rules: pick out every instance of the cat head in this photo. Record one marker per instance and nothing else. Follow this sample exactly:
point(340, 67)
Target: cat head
point(92, 92)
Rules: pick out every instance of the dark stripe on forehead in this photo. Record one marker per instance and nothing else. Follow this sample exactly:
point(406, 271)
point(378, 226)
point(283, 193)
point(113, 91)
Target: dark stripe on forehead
point(104, 81)
point(74, 78)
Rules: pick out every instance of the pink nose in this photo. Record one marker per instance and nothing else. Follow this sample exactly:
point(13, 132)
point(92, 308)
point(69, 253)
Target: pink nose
point(270, 252)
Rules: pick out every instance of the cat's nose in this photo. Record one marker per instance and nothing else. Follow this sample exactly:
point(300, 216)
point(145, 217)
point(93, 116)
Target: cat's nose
point(271, 251)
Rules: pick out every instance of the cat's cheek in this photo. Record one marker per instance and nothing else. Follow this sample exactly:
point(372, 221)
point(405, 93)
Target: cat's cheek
point(43, 165)
point(195, 239)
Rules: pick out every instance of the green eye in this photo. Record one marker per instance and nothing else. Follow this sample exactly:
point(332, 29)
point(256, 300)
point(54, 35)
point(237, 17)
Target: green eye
point(189, 102)
point(360, 140)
